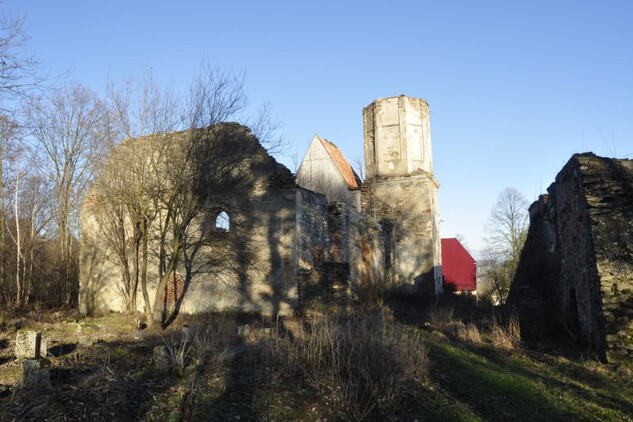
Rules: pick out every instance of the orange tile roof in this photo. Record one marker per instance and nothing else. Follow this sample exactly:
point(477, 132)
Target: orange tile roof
point(348, 173)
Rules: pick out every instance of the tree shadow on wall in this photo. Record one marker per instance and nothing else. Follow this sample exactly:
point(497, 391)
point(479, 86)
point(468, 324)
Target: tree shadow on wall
point(231, 166)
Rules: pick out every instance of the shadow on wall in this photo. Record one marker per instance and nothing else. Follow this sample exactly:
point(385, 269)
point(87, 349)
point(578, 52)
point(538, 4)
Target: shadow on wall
point(242, 266)
point(243, 259)
point(92, 287)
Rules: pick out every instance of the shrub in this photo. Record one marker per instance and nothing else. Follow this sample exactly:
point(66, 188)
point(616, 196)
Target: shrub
point(363, 362)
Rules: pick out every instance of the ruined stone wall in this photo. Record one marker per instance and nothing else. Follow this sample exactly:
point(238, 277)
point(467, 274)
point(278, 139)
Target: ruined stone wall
point(339, 250)
point(535, 291)
point(286, 246)
point(100, 279)
point(251, 267)
point(591, 207)
point(579, 281)
point(608, 191)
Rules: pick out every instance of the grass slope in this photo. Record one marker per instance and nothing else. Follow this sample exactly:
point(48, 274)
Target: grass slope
point(266, 376)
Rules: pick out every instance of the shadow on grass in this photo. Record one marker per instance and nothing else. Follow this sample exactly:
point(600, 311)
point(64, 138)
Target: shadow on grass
point(588, 389)
point(110, 381)
point(62, 349)
point(506, 386)
point(242, 382)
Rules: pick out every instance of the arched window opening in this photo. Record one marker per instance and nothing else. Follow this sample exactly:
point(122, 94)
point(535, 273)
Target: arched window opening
point(222, 222)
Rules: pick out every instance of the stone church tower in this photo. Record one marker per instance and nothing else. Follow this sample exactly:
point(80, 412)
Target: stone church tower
point(401, 191)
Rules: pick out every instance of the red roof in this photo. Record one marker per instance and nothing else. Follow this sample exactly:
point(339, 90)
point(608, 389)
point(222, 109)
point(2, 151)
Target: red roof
point(350, 176)
point(458, 266)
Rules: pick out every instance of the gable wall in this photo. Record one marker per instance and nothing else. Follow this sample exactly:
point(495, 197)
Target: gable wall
point(319, 174)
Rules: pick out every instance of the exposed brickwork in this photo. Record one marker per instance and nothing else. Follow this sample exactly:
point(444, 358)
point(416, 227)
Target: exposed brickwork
point(175, 289)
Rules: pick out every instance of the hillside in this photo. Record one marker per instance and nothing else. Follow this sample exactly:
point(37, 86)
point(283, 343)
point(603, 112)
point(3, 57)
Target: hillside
point(434, 366)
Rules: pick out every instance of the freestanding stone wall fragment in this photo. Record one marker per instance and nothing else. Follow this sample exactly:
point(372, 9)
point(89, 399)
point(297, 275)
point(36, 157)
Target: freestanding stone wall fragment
point(400, 190)
point(30, 345)
point(590, 265)
point(535, 292)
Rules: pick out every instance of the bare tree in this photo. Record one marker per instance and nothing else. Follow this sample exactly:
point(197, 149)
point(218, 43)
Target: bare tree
point(204, 165)
point(506, 231)
point(19, 71)
point(266, 127)
point(462, 239)
point(23, 219)
point(8, 144)
point(130, 186)
point(19, 281)
point(138, 107)
point(196, 166)
point(215, 95)
point(68, 130)
point(113, 219)
point(35, 215)
point(156, 184)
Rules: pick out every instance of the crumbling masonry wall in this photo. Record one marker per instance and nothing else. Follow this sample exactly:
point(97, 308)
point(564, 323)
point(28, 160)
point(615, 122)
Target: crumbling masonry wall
point(535, 290)
point(285, 247)
point(338, 249)
point(590, 266)
point(249, 267)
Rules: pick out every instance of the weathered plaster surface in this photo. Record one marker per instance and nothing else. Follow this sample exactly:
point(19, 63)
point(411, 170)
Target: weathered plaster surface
point(400, 188)
point(251, 267)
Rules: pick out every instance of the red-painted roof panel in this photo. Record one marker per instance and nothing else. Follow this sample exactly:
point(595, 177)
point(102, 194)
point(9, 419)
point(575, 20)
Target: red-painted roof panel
point(348, 173)
point(458, 266)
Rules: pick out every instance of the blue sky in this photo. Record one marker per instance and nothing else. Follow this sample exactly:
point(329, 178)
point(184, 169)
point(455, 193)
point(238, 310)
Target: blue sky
point(515, 87)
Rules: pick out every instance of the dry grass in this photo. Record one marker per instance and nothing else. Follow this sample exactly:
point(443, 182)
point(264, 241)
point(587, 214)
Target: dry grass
point(506, 334)
point(362, 362)
point(477, 327)
point(441, 315)
point(354, 367)
point(469, 332)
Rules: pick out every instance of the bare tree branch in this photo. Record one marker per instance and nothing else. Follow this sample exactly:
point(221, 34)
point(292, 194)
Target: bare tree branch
point(506, 231)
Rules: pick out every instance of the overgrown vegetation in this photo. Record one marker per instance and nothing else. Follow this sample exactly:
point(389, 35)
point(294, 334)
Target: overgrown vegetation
point(57, 138)
point(362, 363)
point(451, 360)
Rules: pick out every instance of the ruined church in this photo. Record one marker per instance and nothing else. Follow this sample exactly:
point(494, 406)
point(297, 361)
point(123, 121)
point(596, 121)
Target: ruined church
point(274, 242)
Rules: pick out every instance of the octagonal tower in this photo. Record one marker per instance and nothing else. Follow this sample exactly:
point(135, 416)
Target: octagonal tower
point(400, 189)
